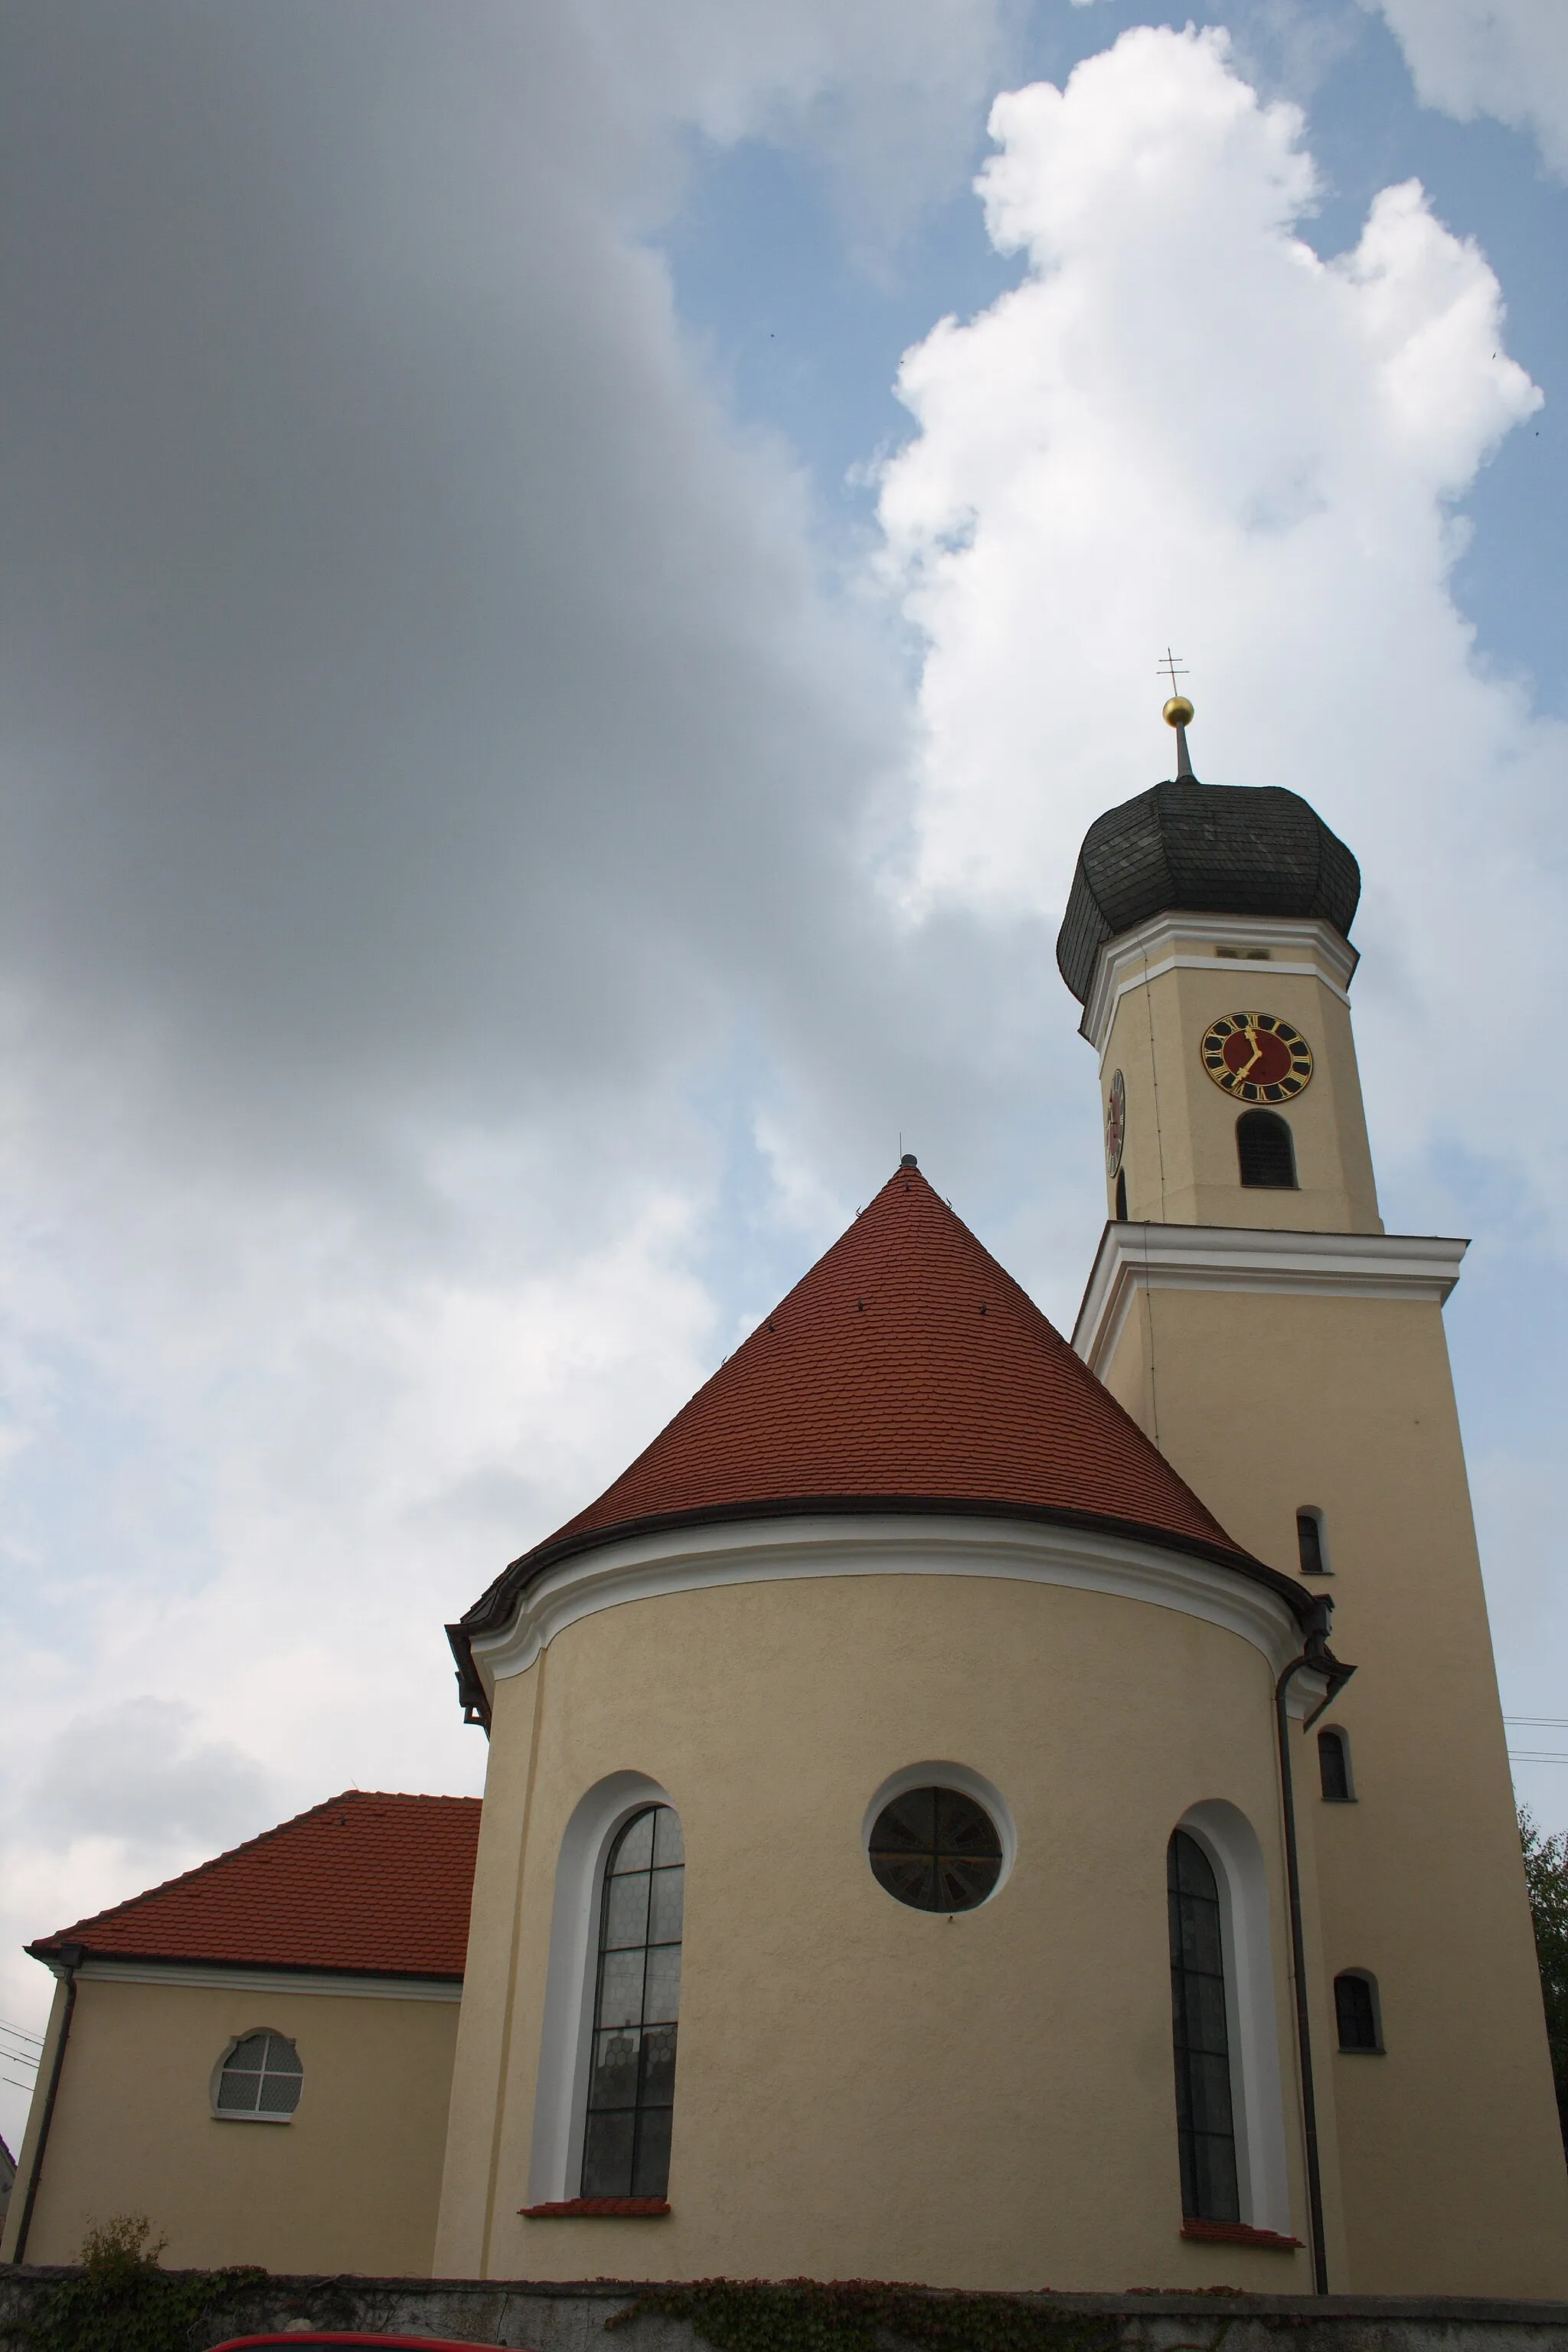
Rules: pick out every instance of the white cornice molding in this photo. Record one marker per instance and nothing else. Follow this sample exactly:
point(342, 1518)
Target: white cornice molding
point(1420, 1267)
point(759, 1552)
point(101, 1969)
point(1303, 945)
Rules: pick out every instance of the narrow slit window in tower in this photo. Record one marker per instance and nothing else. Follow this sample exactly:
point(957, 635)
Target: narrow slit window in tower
point(1122, 1196)
point(1309, 1543)
point(1265, 1151)
point(1356, 2012)
point(631, 2079)
point(1205, 2127)
point(1334, 1768)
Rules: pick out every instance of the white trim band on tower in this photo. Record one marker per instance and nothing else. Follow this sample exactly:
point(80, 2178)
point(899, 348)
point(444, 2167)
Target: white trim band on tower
point(1420, 1267)
point(1304, 945)
point(212, 1978)
point(688, 1559)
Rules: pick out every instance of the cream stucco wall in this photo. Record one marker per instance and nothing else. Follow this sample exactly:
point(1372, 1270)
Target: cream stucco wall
point(351, 2183)
point(863, 2089)
point(1453, 2179)
point(1276, 1383)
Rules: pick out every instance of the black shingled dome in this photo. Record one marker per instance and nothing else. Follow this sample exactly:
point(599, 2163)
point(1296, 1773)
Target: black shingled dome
point(1211, 849)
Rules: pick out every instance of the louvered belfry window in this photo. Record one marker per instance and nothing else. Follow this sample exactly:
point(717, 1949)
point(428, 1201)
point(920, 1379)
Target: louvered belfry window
point(1206, 2127)
point(1265, 1150)
point(631, 2084)
point(261, 2076)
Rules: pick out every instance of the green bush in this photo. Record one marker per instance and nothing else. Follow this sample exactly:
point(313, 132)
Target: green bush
point(121, 2301)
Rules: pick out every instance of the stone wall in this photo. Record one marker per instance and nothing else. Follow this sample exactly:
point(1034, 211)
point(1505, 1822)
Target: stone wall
point(533, 2317)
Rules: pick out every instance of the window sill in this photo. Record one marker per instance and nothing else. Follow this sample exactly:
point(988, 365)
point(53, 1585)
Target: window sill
point(598, 2208)
point(1238, 2233)
point(244, 2115)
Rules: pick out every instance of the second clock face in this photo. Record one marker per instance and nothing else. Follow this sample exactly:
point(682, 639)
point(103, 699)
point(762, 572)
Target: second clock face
point(1256, 1057)
point(1115, 1123)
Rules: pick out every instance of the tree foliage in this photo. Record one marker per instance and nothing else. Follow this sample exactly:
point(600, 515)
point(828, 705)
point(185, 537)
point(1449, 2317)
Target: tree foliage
point(1546, 1876)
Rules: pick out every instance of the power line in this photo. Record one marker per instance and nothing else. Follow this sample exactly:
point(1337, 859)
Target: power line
point(6, 2026)
point(1539, 1722)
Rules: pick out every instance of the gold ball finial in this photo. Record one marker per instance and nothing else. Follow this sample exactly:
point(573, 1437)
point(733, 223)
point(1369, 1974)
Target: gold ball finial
point(1178, 712)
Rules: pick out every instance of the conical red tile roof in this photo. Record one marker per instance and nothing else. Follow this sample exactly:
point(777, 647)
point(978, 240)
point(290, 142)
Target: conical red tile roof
point(907, 1368)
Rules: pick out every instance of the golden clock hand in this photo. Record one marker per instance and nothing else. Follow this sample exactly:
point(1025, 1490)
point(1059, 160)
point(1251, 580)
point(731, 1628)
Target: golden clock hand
point(1256, 1042)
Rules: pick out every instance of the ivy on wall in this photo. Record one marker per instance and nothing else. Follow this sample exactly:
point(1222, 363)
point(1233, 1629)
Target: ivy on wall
point(861, 2315)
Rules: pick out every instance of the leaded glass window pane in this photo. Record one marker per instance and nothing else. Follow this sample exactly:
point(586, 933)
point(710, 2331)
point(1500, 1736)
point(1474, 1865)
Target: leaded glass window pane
point(1205, 2130)
point(631, 2084)
point(261, 2076)
point(936, 1850)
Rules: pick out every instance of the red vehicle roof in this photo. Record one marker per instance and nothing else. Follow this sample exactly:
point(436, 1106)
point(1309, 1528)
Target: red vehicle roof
point(374, 1883)
point(906, 1368)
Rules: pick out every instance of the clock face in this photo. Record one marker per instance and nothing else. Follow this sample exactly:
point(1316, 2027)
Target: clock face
point(1115, 1124)
point(1256, 1057)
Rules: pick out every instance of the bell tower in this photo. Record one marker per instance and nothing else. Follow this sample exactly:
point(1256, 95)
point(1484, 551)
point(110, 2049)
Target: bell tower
point(1222, 917)
point(1288, 1356)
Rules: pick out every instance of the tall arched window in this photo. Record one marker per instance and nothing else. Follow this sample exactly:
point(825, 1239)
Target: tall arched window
point(631, 2070)
point(1205, 2126)
point(1122, 1196)
point(1265, 1151)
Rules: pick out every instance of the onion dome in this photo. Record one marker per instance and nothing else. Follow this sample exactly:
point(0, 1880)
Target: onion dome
point(1212, 849)
point(906, 1371)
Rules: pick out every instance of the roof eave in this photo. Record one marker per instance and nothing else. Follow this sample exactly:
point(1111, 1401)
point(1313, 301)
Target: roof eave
point(50, 1949)
point(492, 1611)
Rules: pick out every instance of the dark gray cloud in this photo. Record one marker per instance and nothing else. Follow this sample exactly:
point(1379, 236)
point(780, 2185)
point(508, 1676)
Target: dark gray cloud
point(409, 689)
point(140, 1774)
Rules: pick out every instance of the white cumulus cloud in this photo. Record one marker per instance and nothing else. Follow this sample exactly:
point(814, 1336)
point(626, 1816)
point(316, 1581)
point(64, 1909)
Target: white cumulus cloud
point(1184, 426)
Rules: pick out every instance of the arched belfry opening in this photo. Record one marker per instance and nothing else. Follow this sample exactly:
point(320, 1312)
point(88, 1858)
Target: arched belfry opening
point(1265, 1151)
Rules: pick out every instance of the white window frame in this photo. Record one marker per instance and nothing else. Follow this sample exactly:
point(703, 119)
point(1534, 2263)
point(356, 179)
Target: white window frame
point(560, 2107)
point(250, 2115)
point(1252, 2024)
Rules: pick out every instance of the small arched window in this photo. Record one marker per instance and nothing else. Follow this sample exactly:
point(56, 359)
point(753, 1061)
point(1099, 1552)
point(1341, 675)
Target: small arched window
point(259, 2078)
point(1311, 1543)
point(1205, 2123)
point(1357, 2011)
point(1122, 1196)
point(1334, 1768)
point(1265, 1150)
point(631, 2068)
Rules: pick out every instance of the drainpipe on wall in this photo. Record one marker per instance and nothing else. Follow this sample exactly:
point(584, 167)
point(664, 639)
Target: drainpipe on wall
point(69, 1958)
point(1318, 1657)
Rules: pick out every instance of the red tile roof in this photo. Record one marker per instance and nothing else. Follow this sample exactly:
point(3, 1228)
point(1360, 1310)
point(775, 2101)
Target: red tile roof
point(906, 1367)
point(375, 1883)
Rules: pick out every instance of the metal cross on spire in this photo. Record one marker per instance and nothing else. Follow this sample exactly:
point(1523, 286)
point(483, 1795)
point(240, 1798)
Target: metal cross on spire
point(1178, 712)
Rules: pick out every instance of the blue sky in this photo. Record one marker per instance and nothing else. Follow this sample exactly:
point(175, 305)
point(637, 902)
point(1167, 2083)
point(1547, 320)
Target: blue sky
point(549, 711)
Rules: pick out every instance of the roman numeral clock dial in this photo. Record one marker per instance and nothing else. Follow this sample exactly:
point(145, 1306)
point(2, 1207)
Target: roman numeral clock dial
point(1256, 1057)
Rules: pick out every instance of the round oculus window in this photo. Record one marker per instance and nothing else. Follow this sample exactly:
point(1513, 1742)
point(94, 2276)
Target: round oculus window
point(936, 1850)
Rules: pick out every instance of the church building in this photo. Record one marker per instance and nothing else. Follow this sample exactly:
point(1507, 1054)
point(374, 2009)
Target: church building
point(964, 1805)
